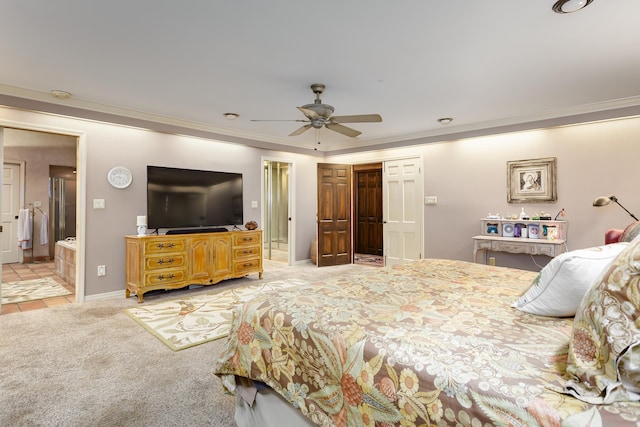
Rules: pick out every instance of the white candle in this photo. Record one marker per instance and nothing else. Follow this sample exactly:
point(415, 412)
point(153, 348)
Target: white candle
point(142, 220)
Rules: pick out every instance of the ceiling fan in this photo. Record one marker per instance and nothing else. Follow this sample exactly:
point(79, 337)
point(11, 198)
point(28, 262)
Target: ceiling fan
point(319, 115)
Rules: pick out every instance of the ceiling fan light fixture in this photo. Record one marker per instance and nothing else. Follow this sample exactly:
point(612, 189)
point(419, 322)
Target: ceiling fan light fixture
point(569, 6)
point(319, 115)
point(445, 120)
point(231, 116)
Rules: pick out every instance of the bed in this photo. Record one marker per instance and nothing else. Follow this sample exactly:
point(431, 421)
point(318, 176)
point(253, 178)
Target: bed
point(443, 342)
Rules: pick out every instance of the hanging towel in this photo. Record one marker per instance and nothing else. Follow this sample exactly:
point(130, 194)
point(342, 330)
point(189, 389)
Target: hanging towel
point(44, 230)
point(24, 229)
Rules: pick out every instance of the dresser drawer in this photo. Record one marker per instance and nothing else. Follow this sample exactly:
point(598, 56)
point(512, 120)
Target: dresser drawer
point(249, 265)
point(548, 250)
point(514, 248)
point(246, 239)
point(158, 246)
point(164, 277)
point(157, 262)
point(246, 252)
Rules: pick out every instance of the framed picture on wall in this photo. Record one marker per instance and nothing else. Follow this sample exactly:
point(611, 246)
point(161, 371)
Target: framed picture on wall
point(532, 181)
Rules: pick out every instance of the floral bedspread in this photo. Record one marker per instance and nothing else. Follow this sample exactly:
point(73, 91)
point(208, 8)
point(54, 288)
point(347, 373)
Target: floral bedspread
point(433, 342)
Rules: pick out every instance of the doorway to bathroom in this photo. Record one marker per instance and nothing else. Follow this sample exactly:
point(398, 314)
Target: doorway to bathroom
point(30, 155)
point(277, 210)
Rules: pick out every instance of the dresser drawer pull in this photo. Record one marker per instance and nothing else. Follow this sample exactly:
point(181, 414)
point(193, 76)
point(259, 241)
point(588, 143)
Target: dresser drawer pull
point(167, 246)
point(167, 277)
point(166, 261)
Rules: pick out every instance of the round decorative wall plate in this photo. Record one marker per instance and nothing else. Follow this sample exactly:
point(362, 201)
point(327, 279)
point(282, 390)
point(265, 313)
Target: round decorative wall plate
point(119, 177)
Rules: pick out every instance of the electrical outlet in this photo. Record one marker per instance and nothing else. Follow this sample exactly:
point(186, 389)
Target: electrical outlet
point(492, 260)
point(102, 270)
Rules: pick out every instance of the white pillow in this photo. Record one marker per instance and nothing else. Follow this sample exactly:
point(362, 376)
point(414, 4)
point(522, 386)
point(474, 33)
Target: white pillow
point(561, 285)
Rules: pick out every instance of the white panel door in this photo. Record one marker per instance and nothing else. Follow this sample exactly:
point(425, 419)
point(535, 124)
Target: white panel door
point(10, 207)
point(402, 203)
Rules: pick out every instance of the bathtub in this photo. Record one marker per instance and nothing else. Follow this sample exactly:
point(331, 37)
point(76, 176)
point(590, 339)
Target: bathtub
point(65, 260)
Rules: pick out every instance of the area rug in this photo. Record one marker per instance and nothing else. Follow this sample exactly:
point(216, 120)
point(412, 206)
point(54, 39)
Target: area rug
point(185, 322)
point(29, 290)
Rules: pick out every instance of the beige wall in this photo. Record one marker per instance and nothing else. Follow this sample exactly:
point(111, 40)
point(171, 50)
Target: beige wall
point(468, 176)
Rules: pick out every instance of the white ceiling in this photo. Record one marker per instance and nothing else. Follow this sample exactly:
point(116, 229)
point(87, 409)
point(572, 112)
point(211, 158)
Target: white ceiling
point(491, 65)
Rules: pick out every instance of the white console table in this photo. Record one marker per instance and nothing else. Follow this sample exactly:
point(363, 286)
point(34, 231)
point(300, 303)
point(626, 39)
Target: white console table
point(492, 239)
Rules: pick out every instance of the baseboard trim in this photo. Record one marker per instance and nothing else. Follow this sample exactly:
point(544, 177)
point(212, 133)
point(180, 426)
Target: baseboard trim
point(106, 295)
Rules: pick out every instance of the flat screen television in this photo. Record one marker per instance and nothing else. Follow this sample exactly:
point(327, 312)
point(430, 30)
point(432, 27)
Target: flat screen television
point(188, 198)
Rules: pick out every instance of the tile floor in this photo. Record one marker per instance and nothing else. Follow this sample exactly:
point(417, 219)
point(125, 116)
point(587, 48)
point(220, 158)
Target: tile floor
point(16, 272)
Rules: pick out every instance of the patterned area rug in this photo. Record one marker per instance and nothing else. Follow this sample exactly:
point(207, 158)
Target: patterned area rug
point(185, 322)
point(28, 290)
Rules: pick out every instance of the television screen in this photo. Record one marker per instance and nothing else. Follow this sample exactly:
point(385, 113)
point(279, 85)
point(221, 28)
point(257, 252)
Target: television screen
point(184, 198)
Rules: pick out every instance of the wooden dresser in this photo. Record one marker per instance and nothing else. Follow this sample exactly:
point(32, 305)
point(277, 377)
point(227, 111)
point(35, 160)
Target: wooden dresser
point(179, 260)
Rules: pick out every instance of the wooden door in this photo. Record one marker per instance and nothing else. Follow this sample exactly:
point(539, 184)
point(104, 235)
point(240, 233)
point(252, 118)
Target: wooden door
point(368, 209)
point(334, 214)
point(403, 193)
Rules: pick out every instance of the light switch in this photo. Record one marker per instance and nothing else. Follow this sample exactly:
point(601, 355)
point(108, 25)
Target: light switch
point(98, 203)
point(254, 203)
point(431, 200)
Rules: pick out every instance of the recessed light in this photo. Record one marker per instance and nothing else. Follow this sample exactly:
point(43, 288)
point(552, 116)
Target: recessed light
point(568, 6)
point(231, 116)
point(60, 94)
point(445, 120)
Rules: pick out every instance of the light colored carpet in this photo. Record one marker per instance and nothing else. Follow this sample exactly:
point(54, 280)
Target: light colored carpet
point(184, 322)
point(29, 290)
point(90, 364)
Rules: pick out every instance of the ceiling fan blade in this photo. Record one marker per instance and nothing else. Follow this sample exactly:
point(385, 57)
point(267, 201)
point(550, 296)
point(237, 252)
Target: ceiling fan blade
point(343, 130)
point(312, 115)
point(300, 130)
point(359, 118)
point(280, 120)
